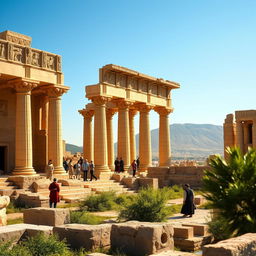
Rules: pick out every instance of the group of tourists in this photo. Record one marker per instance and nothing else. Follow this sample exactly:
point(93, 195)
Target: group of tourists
point(82, 166)
point(119, 165)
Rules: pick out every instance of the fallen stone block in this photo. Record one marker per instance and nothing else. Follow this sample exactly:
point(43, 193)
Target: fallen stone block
point(141, 238)
point(199, 229)
point(148, 182)
point(244, 245)
point(41, 184)
point(183, 232)
point(47, 216)
point(71, 183)
point(90, 237)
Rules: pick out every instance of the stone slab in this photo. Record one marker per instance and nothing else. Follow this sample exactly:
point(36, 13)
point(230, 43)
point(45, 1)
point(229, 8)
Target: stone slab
point(183, 232)
point(199, 229)
point(47, 216)
point(90, 237)
point(141, 238)
point(244, 245)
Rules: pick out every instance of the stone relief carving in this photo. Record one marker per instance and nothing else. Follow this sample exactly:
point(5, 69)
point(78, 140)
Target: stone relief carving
point(143, 86)
point(35, 58)
point(50, 62)
point(122, 80)
point(28, 56)
point(58, 63)
point(134, 84)
point(3, 107)
point(15, 53)
point(109, 77)
point(154, 89)
point(2, 50)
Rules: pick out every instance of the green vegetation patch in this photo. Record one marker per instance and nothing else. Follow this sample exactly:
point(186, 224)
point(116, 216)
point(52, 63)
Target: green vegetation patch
point(83, 217)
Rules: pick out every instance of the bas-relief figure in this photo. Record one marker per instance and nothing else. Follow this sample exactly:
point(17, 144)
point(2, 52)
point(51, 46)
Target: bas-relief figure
point(2, 50)
point(35, 58)
point(50, 62)
point(28, 55)
point(109, 77)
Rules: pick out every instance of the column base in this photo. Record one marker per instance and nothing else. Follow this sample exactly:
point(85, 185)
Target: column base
point(59, 170)
point(23, 171)
point(102, 172)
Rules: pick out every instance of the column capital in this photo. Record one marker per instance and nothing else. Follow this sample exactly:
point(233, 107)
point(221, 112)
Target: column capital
point(163, 111)
point(22, 85)
point(100, 100)
point(110, 112)
point(56, 91)
point(86, 113)
point(123, 104)
point(144, 107)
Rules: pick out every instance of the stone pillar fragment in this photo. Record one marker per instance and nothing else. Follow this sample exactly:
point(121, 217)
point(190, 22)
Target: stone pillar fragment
point(110, 140)
point(229, 131)
point(145, 152)
point(240, 135)
point(100, 135)
point(132, 113)
point(123, 143)
point(164, 136)
point(23, 138)
point(88, 134)
point(55, 143)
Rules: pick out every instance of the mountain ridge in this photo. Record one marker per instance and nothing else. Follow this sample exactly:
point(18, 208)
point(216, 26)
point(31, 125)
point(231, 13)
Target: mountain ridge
point(188, 141)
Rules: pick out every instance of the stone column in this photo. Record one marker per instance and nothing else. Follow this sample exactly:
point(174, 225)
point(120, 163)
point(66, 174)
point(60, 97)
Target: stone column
point(110, 140)
point(87, 134)
point(132, 113)
point(55, 143)
point(240, 136)
point(145, 152)
point(23, 135)
point(123, 143)
point(254, 134)
point(164, 136)
point(229, 133)
point(100, 135)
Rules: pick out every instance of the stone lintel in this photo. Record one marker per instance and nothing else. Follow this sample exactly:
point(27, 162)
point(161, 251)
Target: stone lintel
point(16, 38)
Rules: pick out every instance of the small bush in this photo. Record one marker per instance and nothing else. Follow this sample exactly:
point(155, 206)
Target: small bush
point(122, 200)
point(99, 203)
point(82, 217)
point(6, 249)
point(174, 192)
point(42, 245)
point(149, 205)
point(219, 228)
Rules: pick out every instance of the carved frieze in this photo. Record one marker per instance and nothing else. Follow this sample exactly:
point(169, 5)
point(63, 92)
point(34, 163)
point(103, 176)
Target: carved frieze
point(143, 86)
point(29, 56)
point(3, 107)
point(134, 83)
point(109, 77)
point(121, 80)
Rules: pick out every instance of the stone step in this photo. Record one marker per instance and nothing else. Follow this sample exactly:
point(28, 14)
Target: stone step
point(68, 191)
point(103, 185)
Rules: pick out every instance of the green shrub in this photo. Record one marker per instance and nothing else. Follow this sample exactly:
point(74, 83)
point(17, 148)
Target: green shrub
point(219, 228)
point(230, 186)
point(6, 249)
point(82, 217)
point(174, 192)
point(149, 205)
point(42, 245)
point(122, 200)
point(99, 203)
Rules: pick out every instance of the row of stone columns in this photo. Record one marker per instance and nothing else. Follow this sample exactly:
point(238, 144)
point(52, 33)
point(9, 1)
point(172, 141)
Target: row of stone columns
point(23, 139)
point(103, 153)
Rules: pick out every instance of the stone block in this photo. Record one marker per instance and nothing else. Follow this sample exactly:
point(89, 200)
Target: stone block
point(47, 216)
point(131, 182)
point(199, 200)
point(70, 183)
point(42, 184)
point(4, 202)
point(148, 182)
point(90, 237)
point(24, 182)
point(141, 238)
point(199, 229)
point(183, 232)
point(244, 245)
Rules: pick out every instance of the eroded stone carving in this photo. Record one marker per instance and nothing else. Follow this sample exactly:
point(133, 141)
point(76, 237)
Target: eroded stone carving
point(109, 77)
point(35, 58)
point(50, 62)
point(2, 50)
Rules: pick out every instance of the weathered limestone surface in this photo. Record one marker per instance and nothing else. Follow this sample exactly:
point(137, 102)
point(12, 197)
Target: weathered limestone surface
point(47, 216)
point(142, 238)
point(183, 232)
point(148, 182)
point(199, 229)
point(244, 245)
point(4, 202)
point(40, 184)
point(33, 199)
point(89, 237)
point(17, 232)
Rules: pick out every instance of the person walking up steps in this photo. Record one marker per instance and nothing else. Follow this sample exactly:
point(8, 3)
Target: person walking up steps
point(54, 193)
point(92, 167)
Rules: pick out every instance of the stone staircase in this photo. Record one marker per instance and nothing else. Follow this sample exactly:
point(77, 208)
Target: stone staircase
point(7, 188)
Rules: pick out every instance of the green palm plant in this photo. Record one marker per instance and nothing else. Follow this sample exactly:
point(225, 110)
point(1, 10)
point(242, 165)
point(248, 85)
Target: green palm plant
point(230, 187)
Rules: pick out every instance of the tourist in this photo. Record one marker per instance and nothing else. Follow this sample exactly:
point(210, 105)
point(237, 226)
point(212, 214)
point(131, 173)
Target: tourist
point(121, 165)
point(65, 165)
point(188, 207)
point(54, 193)
point(85, 168)
point(78, 170)
point(134, 168)
point(49, 170)
point(138, 163)
point(70, 169)
point(117, 165)
point(92, 167)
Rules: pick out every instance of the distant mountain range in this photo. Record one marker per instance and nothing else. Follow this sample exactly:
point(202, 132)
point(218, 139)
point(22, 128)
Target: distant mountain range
point(188, 141)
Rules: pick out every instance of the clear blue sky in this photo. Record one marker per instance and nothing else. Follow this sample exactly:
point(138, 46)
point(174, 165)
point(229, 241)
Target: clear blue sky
point(209, 47)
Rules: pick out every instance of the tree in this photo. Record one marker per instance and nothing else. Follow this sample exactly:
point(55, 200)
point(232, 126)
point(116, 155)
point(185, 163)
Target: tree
point(230, 187)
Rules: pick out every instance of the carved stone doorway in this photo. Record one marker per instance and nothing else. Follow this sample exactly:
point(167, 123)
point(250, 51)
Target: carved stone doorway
point(3, 158)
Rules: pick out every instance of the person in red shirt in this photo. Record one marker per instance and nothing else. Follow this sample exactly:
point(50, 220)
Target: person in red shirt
point(134, 168)
point(54, 193)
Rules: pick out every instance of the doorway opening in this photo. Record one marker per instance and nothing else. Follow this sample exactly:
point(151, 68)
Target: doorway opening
point(3, 162)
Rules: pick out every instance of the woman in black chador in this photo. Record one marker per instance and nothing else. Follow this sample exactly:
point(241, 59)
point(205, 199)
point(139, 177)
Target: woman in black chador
point(188, 207)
